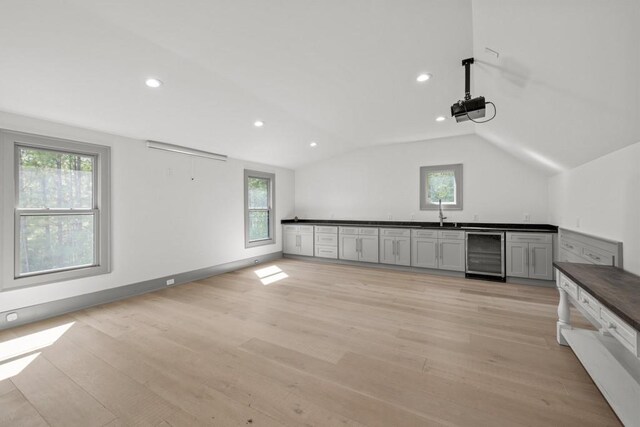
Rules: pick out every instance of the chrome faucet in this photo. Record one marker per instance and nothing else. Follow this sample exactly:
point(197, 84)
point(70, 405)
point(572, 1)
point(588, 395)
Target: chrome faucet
point(442, 217)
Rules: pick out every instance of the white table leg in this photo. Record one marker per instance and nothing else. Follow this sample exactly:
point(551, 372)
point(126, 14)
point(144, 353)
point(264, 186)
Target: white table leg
point(563, 316)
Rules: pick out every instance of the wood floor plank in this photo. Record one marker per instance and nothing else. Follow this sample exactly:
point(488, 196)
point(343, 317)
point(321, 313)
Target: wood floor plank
point(328, 345)
point(59, 400)
point(15, 410)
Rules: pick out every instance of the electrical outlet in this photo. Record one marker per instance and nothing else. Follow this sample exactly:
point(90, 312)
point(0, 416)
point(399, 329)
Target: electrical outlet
point(577, 222)
point(171, 282)
point(389, 216)
point(476, 217)
point(331, 215)
point(413, 216)
point(527, 217)
point(12, 317)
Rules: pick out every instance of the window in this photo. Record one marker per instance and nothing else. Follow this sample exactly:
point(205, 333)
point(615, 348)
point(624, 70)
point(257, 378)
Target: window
point(259, 206)
point(441, 184)
point(61, 209)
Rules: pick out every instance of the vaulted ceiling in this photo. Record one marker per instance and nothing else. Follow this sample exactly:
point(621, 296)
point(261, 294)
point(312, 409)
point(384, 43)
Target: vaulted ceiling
point(341, 73)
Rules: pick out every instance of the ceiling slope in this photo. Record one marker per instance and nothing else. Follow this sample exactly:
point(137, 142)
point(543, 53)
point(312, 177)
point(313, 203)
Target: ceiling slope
point(339, 73)
point(566, 80)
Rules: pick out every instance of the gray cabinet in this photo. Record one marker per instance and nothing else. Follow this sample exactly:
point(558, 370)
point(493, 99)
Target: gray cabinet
point(442, 249)
point(395, 246)
point(358, 244)
point(326, 241)
point(297, 240)
point(451, 255)
point(530, 255)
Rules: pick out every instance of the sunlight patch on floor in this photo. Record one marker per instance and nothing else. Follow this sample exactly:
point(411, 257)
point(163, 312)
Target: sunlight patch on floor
point(13, 351)
point(271, 274)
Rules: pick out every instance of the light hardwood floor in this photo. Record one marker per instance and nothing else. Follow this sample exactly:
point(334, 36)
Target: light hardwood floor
point(328, 345)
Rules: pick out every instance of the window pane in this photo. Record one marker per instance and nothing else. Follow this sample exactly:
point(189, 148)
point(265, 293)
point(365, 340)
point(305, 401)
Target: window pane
point(50, 242)
point(258, 193)
point(258, 225)
point(441, 185)
point(55, 180)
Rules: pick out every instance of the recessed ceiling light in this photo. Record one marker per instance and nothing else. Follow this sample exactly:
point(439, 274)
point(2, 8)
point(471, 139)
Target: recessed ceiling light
point(440, 119)
point(258, 123)
point(313, 144)
point(423, 77)
point(154, 83)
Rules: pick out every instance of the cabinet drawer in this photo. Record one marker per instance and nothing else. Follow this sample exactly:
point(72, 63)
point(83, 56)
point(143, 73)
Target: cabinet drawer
point(597, 257)
point(326, 252)
point(306, 228)
point(326, 239)
point(326, 229)
point(569, 286)
point(349, 230)
point(530, 237)
point(399, 232)
point(451, 234)
point(589, 303)
point(368, 231)
point(433, 234)
point(620, 330)
point(291, 228)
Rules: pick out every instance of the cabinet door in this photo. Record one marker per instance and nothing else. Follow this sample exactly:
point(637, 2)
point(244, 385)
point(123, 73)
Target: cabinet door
point(452, 255)
point(424, 252)
point(387, 250)
point(517, 262)
point(369, 248)
point(306, 244)
point(347, 247)
point(403, 251)
point(290, 243)
point(540, 261)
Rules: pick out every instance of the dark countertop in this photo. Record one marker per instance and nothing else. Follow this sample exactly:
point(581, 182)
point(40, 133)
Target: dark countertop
point(536, 228)
point(613, 287)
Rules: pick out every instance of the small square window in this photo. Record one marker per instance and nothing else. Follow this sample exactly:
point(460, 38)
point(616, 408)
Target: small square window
point(441, 185)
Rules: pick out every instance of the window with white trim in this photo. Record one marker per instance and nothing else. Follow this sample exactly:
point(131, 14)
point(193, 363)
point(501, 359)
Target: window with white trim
point(259, 203)
point(61, 209)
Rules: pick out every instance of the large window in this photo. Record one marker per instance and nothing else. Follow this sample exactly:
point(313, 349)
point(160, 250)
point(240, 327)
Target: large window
point(441, 185)
point(61, 209)
point(259, 202)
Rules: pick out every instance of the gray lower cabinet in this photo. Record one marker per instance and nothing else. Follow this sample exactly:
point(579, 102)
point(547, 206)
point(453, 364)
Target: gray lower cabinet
point(358, 244)
point(395, 246)
point(297, 240)
point(442, 249)
point(326, 241)
point(452, 255)
point(530, 255)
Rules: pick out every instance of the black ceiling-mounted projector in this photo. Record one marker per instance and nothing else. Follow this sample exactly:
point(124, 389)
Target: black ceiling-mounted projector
point(470, 108)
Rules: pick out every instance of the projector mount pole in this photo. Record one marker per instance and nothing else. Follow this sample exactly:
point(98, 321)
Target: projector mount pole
point(467, 78)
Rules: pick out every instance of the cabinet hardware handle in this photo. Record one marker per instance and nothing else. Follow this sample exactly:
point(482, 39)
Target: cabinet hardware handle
point(592, 256)
point(533, 258)
point(612, 325)
point(393, 245)
point(586, 301)
point(437, 251)
point(441, 251)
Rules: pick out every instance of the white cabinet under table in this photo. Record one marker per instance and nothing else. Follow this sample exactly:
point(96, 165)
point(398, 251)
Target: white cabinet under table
point(609, 298)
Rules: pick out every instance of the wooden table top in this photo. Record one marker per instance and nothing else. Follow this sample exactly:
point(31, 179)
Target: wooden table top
point(616, 289)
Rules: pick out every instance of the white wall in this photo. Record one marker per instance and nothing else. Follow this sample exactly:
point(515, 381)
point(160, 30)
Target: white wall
point(162, 222)
point(376, 182)
point(602, 198)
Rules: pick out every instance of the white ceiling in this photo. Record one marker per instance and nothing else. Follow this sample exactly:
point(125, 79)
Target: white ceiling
point(338, 72)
